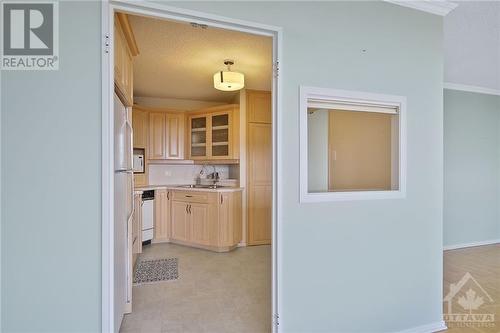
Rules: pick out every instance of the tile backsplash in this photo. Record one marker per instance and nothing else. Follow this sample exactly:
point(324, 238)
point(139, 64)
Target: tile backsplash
point(182, 174)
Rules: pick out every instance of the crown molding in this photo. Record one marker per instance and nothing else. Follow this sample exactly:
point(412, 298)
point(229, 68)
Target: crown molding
point(437, 7)
point(474, 89)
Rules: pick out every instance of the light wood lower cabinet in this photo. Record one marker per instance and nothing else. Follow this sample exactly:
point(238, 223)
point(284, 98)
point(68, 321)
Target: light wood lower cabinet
point(229, 212)
point(162, 216)
point(259, 214)
point(180, 221)
point(210, 220)
point(201, 224)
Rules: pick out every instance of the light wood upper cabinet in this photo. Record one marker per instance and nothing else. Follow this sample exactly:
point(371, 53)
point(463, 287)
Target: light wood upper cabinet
point(213, 133)
point(119, 50)
point(174, 123)
point(123, 59)
point(166, 136)
point(259, 106)
point(162, 215)
point(128, 76)
point(221, 139)
point(157, 134)
point(198, 137)
point(140, 125)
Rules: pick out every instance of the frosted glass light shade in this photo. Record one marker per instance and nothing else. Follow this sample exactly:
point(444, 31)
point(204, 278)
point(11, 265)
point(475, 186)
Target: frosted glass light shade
point(229, 81)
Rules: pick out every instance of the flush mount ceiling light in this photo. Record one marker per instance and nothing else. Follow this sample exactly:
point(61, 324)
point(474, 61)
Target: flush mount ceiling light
point(227, 80)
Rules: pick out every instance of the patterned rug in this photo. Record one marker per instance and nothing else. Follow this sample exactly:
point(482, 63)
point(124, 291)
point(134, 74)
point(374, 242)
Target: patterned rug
point(148, 271)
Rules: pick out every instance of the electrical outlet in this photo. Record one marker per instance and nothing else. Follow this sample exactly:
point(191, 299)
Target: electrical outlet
point(168, 173)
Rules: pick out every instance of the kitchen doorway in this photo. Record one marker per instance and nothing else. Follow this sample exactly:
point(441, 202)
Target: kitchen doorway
point(108, 81)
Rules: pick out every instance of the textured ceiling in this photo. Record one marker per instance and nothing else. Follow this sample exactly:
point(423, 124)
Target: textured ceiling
point(177, 60)
point(472, 44)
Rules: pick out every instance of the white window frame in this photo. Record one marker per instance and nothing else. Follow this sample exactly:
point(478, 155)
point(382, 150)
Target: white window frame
point(364, 100)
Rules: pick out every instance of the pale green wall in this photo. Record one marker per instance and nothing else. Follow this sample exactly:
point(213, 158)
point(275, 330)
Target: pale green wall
point(471, 167)
point(376, 260)
point(365, 266)
point(51, 229)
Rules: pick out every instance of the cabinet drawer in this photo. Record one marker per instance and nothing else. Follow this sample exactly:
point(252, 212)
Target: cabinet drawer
point(193, 196)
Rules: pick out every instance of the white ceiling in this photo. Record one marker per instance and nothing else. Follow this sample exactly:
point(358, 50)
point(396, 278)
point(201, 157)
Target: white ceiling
point(472, 44)
point(177, 60)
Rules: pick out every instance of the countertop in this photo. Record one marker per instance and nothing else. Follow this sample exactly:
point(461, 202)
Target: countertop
point(139, 189)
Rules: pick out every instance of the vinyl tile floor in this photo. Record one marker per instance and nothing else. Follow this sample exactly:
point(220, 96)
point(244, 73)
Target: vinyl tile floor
point(215, 292)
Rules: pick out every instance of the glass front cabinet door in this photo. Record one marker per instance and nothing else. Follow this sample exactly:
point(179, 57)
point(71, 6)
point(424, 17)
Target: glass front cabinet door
point(211, 134)
point(220, 130)
point(198, 141)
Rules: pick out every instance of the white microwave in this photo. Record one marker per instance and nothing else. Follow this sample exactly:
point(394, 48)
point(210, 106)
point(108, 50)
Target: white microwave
point(138, 164)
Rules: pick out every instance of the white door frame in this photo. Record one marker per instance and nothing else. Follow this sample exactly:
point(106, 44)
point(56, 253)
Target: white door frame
point(161, 11)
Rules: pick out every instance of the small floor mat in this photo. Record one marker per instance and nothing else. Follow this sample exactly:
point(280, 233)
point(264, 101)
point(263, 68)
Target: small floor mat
point(148, 271)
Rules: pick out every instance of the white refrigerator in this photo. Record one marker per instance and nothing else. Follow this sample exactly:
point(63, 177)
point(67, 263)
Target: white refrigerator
point(123, 211)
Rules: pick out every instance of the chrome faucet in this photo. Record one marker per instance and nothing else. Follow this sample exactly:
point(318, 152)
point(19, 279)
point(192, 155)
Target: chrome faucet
point(214, 175)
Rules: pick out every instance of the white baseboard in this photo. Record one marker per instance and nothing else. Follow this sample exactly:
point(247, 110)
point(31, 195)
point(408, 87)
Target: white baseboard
point(429, 328)
point(472, 244)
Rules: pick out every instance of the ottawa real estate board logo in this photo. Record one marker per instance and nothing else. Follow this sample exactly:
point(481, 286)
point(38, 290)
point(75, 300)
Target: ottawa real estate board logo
point(30, 36)
point(468, 305)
